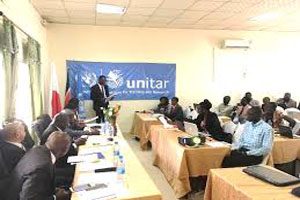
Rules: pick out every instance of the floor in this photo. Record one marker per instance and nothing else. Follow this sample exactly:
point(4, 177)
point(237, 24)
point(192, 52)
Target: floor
point(157, 176)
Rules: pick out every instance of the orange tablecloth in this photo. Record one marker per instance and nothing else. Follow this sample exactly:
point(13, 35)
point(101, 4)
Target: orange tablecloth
point(140, 127)
point(178, 163)
point(232, 183)
point(285, 150)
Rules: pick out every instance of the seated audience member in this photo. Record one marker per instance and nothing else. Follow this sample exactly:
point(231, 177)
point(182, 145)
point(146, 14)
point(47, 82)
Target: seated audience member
point(224, 109)
point(175, 113)
point(266, 100)
point(208, 122)
point(286, 101)
point(163, 106)
point(190, 113)
point(255, 142)
point(281, 118)
point(65, 171)
point(269, 111)
point(73, 129)
point(11, 146)
point(248, 97)
point(241, 110)
point(28, 142)
point(73, 105)
point(33, 177)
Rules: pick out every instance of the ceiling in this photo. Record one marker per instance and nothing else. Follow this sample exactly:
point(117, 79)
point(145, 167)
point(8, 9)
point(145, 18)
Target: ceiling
point(190, 14)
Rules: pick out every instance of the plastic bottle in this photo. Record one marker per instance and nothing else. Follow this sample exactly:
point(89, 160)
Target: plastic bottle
point(121, 169)
point(116, 153)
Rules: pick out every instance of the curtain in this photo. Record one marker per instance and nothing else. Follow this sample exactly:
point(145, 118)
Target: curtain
point(34, 63)
point(10, 50)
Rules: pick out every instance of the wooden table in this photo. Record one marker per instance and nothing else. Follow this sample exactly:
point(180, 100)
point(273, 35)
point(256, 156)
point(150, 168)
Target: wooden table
point(285, 150)
point(141, 126)
point(138, 183)
point(232, 183)
point(178, 163)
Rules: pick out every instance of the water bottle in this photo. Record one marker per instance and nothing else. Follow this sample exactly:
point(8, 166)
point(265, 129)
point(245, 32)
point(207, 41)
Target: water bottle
point(116, 153)
point(106, 128)
point(121, 169)
point(81, 111)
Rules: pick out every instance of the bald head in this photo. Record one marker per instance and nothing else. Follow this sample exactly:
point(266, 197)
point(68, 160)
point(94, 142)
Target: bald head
point(14, 132)
point(58, 143)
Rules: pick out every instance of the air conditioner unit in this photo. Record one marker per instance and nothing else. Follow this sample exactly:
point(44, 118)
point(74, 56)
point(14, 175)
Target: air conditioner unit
point(242, 44)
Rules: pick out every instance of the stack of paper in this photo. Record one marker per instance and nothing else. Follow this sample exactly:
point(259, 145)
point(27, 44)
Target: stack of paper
point(83, 158)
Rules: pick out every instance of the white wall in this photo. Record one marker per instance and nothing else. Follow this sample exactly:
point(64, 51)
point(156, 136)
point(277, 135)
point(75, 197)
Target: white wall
point(23, 14)
point(267, 66)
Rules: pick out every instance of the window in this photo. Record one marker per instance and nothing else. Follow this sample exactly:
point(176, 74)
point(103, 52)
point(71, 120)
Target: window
point(2, 89)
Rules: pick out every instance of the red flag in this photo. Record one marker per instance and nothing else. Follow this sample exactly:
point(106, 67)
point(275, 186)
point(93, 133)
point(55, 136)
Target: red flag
point(55, 97)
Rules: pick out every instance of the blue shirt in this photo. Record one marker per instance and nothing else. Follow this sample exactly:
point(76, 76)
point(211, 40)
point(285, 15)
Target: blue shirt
point(257, 138)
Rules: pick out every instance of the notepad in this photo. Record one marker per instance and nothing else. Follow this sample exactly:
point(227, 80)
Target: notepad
point(85, 158)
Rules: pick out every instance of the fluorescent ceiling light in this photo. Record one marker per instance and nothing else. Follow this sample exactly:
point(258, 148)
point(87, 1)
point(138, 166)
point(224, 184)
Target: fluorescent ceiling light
point(110, 9)
point(266, 17)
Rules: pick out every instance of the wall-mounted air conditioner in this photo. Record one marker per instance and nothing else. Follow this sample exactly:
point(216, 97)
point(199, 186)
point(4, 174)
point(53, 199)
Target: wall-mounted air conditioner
point(236, 43)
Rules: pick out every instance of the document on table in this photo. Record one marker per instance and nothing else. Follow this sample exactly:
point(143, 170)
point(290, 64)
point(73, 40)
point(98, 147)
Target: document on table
point(83, 158)
point(90, 119)
point(218, 144)
point(98, 194)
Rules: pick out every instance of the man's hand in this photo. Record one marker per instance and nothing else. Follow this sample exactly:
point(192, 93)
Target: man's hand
point(62, 194)
point(80, 141)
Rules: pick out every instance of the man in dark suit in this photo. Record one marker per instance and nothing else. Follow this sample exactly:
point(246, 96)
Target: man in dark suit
point(176, 113)
point(11, 151)
point(99, 95)
point(33, 177)
point(65, 171)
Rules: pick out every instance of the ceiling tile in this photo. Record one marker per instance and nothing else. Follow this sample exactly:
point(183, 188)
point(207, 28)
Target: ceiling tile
point(184, 21)
point(48, 4)
point(189, 14)
point(80, 6)
point(177, 4)
point(140, 11)
point(132, 23)
point(160, 20)
point(234, 7)
point(145, 3)
point(53, 12)
point(107, 22)
point(206, 5)
point(217, 16)
point(109, 17)
point(137, 18)
point(82, 14)
point(167, 12)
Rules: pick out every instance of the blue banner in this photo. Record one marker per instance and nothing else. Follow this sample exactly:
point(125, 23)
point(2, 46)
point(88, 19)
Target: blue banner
point(129, 81)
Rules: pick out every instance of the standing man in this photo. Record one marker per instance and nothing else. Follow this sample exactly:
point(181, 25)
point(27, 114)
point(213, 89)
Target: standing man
point(99, 95)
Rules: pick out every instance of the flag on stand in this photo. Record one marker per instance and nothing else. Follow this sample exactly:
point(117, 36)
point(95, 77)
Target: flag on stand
point(68, 94)
point(54, 92)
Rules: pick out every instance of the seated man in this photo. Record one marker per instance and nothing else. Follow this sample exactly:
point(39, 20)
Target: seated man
point(208, 122)
point(163, 106)
point(73, 130)
point(224, 109)
point(255, 142)
point(240, 112)
point(266, 100)
point(11, 146)
point(286, 101)
point(33, 177)
point(65, 171)
point(175, 113)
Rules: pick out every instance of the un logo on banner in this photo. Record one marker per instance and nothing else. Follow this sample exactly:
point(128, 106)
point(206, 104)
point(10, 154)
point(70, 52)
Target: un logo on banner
point(115, 79)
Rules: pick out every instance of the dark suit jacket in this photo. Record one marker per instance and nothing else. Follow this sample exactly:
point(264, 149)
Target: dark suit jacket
point(98, 97)
point(10, 156)
point(33, 177)
point(176, 114)
point(61, 162)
